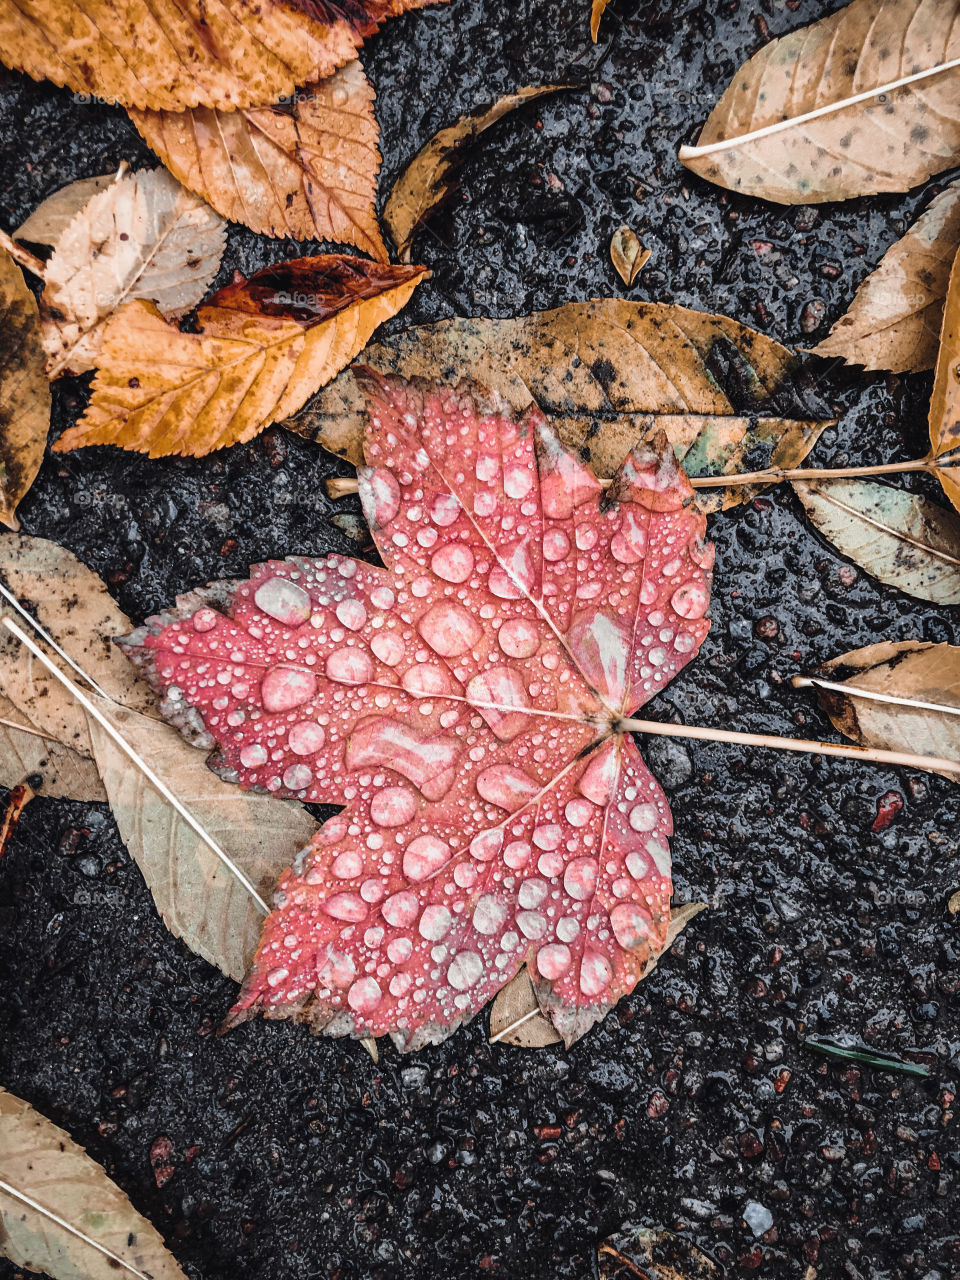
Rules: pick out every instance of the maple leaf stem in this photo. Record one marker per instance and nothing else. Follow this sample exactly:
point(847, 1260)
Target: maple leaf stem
point(772, 474)
point(810, 746)
point(36, 266)
point(157, 783)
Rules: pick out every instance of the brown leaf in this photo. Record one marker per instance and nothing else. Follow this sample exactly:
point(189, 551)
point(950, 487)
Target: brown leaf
point(787, 129)
point(264, 346)
point(609, 373)
point(25, 751)
point(945, 401)
point(107, 1239)
point(145, 236)
point(306, 167)
point(427, 181)
point(627, 254)
point(175, 54)
point(649, 1253)
point(595, 15)
point(900, 674)
point(52, 216)
point(516, 1017)
point(24, 390)
point(894, 319)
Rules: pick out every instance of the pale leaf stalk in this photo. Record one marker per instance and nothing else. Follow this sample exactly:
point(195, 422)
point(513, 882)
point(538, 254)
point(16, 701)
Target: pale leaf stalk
point(811, 747)
point(854, 691)
point(114, 1258)
point(518, 1022)
point(830, 108)
point(23, 257)
point(157, 783)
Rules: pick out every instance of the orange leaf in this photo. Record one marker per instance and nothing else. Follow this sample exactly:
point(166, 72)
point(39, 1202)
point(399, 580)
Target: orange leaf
point(265, 345)
point(307, 168)
point(174, 54)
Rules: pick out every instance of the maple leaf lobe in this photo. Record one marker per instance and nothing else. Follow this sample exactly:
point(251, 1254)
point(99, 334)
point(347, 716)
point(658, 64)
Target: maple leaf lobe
point(462, 702)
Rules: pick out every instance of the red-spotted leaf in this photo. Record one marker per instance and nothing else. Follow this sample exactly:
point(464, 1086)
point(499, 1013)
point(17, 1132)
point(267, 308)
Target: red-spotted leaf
point(464, 704)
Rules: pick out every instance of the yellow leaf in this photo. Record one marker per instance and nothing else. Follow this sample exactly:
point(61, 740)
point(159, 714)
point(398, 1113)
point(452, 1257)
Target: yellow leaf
point(596, 14)
point(264, 346)
point(24, 390)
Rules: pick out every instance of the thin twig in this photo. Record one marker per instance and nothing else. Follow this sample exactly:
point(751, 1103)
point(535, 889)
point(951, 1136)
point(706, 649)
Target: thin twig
point(854, 691)
point(772, 474)
point(512, 1026)
point(875, 754)
point(12, 600)
point(29, 261)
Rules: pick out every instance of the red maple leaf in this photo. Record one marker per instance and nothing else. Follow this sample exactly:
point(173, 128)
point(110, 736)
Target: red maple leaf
point(463, 703)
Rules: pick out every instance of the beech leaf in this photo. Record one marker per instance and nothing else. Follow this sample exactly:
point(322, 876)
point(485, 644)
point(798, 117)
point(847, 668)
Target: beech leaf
point(903, 539)
point(916, 697)
point(945, 402)
point(176, 54)
point(24, 390)
point(894, 319)
point(464, 703)
point(862, 101)
point(305, 167)
point(627, 254)
point(428, 179)
point(52, 216)
point(85, 1228)
point(609, 373)
point(145, 236)
point(264, 346)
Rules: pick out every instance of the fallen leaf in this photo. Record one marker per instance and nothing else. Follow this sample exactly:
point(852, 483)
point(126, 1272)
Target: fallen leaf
point(20, 796)
point(852, 105)
point(482, 673)
point(916, 702)
point(85, 1228)
point(428, 179)
point(894, 319)
point(145, 236)
point(595, 15)
point(25, 752)
point(264, 346)
point(24, 390)
point(516, 1017)
point(627, 254)
point(52, 216)
point(649, 1253)
point(176, 54)
point(901, 538)
point(305, 167)
point(609, 373)
point(944, 419)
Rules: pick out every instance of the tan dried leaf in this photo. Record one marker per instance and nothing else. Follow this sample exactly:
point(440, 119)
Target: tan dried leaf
point(25, 751)
point(945, 401)
point(916, 697)
point(145, 236)
point(77, 1224)
point(306, 167)
point(609, 373)
point(428, 179)
point(903, 539)
point(627, 254)
point(863, 101)
point(24, 390)
point(174, 54)
point(894, 319)
point(52, 216)
point(265, 345)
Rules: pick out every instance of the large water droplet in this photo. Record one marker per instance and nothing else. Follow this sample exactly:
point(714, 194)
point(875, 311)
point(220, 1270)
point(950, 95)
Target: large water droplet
point(506, 786)
point(643, 817)
point(401, 910)
point(253, 755)
point(284, 688)
point(379, 495)
point(424, 856)
point(392, 807)
point(388, 647)
point(690, 600)
point(305, 738)
point(532, 924)
point(596, 973)
point(449, 629)
point(284, 601)
point(365, 995)
point(631, 925)
point(466, 969)
point(519, 638)
point(350, 666)
point(580, 878)
point(351, 614)
point(553, 960)
point(453, 562)
point(435, 922)
point(489, 914)
point(297, 776)
point(345, 906)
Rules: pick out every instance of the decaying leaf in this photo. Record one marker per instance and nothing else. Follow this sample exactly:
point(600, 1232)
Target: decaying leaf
point(52, 216)
point(427, 181)
point(904, 540)
point(265, 345)
point(894, 319)
point(916, 697)
point(627, 254)
point(175, 54)
point(464, 702)
point(650, 1253)
point(596, 14)
point(85, 1228)
point(608, 374)
point(515, 1016)
point(849, 106)
point(145, 236)
point(25, 752)
point(24, 390)
point(945, 401)
point(20, 796)
point(305, 167)
point(201, 901)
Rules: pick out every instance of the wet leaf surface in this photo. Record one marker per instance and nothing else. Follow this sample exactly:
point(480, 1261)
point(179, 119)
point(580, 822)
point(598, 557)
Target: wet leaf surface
point(24, 393)
point(945, 400)
point(53, 215)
